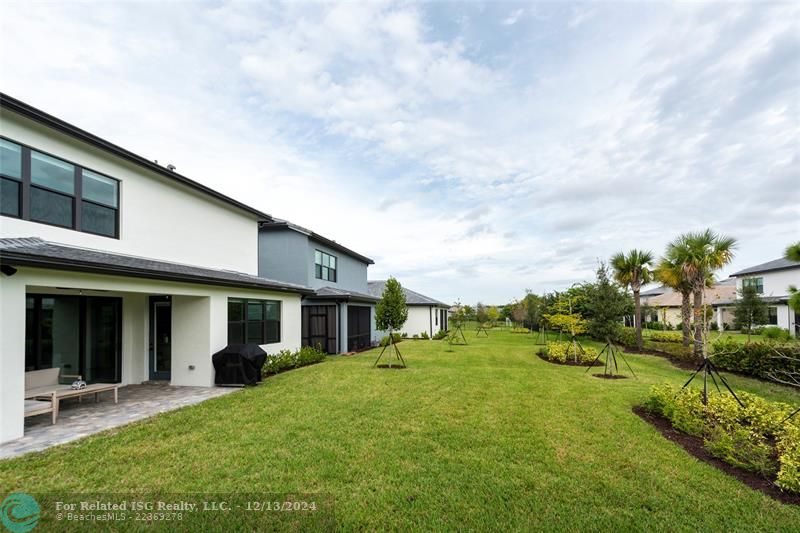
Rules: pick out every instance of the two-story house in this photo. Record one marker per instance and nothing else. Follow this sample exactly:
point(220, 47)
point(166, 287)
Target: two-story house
point(339, 316)
point(772, 280)
point(119, 269)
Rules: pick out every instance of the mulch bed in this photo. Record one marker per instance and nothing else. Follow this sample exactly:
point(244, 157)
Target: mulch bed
point(694, 446)
point(398, 367)
point(610, 376)
point(569, 363)
point(683, 364)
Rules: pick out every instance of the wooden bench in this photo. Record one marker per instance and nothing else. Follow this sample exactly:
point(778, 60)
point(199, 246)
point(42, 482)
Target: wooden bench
point(40, 407)
point(44, 385)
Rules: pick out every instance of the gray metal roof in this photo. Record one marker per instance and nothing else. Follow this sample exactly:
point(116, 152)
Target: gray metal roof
point(412, 298)
point(285, 224)
point(777, 264)
point(340, 294)
point(655, 291)
point(35, 252)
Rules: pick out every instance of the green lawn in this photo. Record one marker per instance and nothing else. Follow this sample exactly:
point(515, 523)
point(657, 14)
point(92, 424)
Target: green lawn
point(485, 436)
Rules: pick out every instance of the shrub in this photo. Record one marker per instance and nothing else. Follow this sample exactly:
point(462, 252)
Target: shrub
point(404, 335)
point(754, 437)
point(397, 338)
point(441, 334)
point(287, 360)
point(626, 337)
point(424, 335)
point(760, 359)
point(774, 333)
point(714, 326)
point(562, 352)
point(520, 330)
point(666, 336)
point(415, 337)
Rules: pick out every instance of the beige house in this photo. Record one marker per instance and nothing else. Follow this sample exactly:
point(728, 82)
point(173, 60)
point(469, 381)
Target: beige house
point(665, 303)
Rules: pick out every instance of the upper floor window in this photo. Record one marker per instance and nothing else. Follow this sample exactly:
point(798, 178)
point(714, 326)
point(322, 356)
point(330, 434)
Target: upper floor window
point(254, 321)
point(325, 266)
point(10, 178)
point(757, 283)
point(42, 188)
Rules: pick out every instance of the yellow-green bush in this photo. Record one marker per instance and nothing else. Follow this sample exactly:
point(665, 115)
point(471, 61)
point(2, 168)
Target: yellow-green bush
point(562, 352)
point(666, 336)
point(755, 437)
point(520, 330)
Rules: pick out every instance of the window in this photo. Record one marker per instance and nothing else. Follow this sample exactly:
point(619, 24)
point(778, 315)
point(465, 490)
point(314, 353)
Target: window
point(81, 335)
point(757, 283)
point(99, 204)
point(254, 321)
point(56, 192)
point(772, 316)
point(325, 266)
point(10, 178)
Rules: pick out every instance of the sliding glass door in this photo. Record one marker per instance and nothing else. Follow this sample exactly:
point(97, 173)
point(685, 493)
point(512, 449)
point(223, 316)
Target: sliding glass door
point(79, 334)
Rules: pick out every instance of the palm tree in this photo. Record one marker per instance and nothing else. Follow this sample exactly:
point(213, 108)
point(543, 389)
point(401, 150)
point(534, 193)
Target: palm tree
point(699, 255)
point(671, 275)
point(633, 270)
point(793, 254)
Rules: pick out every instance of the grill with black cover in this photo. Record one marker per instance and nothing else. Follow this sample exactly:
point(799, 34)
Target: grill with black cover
point(239, 364)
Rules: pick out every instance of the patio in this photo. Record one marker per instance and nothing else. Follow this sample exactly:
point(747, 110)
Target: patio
point(77, 420)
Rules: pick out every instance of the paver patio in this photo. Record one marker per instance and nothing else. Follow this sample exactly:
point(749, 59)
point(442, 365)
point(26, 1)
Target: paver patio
point(77, 420)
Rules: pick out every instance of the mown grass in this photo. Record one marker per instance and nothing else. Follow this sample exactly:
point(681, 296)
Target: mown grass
point(479, 437)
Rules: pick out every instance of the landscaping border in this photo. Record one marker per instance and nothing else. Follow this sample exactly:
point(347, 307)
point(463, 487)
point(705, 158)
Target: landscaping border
point(694, 446)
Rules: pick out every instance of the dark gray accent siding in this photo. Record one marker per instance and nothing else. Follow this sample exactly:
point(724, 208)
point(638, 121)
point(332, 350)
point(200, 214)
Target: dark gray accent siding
point(282, 256)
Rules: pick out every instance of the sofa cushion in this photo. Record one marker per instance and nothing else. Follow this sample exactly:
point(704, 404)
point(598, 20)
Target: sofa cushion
point(41, 378)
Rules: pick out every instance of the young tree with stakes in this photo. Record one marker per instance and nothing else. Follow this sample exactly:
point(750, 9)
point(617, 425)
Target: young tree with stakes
point(390, 315)
point(607, 304)
point(633, 270)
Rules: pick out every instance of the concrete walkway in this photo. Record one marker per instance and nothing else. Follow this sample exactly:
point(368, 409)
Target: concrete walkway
point(77, 420)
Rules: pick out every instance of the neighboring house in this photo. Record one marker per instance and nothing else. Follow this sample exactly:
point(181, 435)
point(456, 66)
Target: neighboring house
point(340, 315)
point(119, 269)
point(771, 280)
point(424, 313)
point(666, 306)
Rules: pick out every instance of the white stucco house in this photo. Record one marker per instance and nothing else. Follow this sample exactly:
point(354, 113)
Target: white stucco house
point(425, 314)
point(772, 280)
point(119, 269)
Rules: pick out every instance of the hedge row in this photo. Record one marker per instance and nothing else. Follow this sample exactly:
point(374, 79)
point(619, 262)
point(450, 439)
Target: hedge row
point(755, 437)
point(765, 360)
point(287, 360)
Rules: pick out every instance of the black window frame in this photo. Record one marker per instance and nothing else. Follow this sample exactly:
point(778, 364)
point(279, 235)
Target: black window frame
point(757, 282)
point(35, 329)
point(264, 326)
point(318, 267)
point(15, 179)
point(77, 199)
point(772, 315)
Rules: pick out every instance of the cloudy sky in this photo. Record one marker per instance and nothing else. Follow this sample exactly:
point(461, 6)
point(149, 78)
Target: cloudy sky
point(472, 149)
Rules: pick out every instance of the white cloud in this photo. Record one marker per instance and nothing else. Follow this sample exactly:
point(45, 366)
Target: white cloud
point(472, 166)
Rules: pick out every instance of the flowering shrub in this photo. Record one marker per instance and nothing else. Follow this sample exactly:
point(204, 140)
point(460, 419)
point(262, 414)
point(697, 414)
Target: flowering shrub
point(520, 330)
point(562, 352)
point(755, 437)
point(287, 360)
